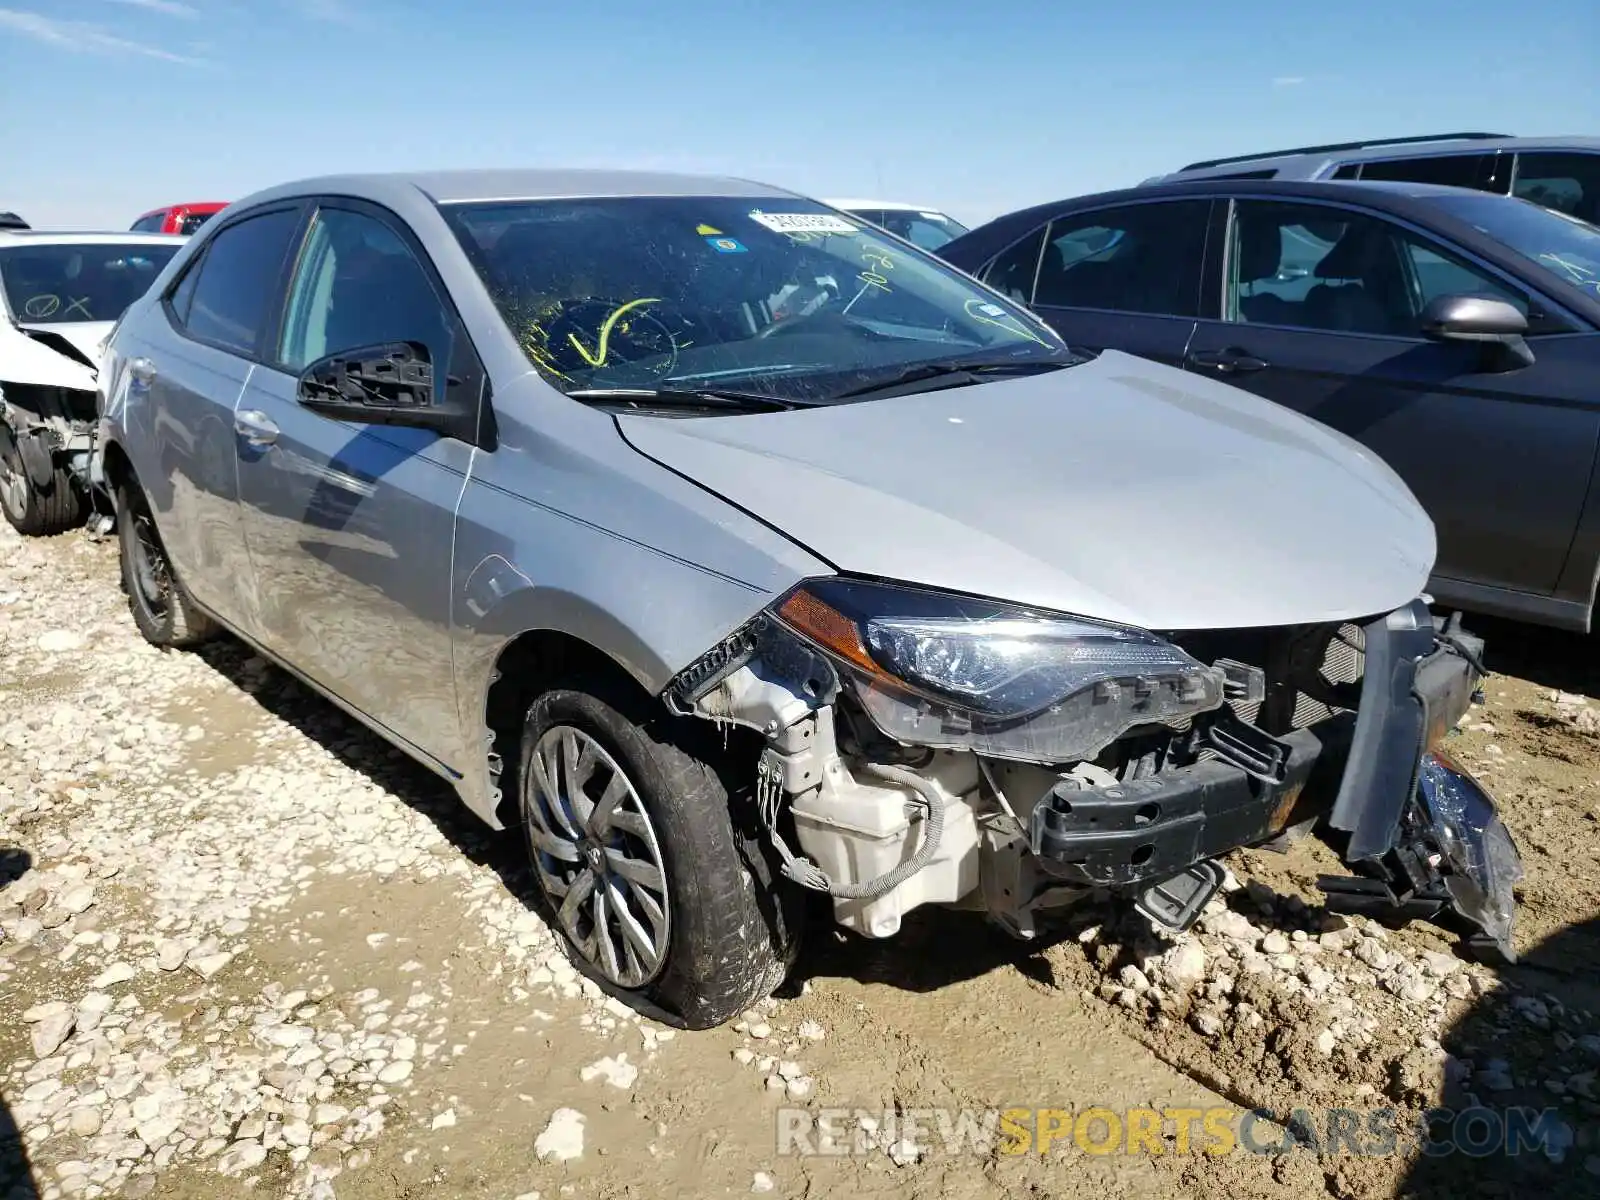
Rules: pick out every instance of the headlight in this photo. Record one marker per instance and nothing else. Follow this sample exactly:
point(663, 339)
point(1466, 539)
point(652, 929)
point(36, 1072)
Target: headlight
point(956, 673)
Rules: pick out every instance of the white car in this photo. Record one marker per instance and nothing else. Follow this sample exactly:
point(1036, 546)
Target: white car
point(917, 223)
point(61, 294)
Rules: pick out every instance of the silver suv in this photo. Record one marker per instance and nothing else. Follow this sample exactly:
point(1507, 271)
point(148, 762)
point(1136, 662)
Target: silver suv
point(1562, 173)
point(731, 549)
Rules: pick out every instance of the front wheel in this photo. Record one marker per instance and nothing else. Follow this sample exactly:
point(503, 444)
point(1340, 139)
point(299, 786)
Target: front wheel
point(655, 891)
point(35, 511)
point(161, 608)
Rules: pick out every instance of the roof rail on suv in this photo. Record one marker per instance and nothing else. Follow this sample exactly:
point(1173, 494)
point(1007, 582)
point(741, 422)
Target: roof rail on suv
point(1336, 146)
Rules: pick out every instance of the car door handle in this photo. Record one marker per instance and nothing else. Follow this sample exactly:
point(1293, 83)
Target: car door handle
point(1230, 361)
point(255, 427)
point(142, 369)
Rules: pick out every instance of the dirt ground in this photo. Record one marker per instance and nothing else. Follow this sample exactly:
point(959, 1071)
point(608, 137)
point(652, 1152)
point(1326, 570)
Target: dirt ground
point(340, 914)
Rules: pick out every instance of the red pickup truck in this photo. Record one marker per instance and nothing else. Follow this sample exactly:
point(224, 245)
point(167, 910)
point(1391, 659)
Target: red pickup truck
point(178, 218)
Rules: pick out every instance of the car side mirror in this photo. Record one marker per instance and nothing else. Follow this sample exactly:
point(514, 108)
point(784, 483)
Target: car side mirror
point(1498, 326)
point(387, 384)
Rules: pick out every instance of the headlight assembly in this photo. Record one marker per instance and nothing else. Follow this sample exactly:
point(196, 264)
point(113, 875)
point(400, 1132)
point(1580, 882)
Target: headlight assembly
point(956, 673)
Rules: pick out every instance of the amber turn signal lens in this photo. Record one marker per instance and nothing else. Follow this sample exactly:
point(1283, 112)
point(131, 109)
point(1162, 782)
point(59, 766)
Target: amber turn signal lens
point(828, 628)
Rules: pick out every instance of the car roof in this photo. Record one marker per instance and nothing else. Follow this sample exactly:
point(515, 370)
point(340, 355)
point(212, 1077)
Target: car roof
point(1403, 198)
point(188, 206)
point(89, 237)
point(885, 205)
point(1382, 149)
point(459, 187)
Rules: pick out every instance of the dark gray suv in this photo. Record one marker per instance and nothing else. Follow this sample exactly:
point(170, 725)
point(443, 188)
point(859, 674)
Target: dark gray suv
point(1451, 331)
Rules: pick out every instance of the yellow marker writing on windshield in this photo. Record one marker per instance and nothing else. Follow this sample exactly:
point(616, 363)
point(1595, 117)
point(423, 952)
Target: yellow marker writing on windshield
point(598, 357)
point(1014, 327)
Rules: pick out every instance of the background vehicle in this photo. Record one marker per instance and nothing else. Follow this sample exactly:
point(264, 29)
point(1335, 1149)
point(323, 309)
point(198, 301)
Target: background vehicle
point(60, 295)
point(1343, 301)
point(178, 218)
point(918, 224)
point(1562, 173)
point(665, 603)
point(10, 220)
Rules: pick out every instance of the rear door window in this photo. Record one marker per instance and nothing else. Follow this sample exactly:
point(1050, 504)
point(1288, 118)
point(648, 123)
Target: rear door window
point(1144, 258)
point(1013, 269)
point(1450, 170)
point(1566, 182)
point(239, 290)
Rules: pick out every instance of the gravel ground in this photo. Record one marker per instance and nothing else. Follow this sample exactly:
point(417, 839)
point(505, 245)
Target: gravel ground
point(247, 949)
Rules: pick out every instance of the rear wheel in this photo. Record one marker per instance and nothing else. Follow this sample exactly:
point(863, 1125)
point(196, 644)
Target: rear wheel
point(658, 895)
point(161, 608)
point(31, 510)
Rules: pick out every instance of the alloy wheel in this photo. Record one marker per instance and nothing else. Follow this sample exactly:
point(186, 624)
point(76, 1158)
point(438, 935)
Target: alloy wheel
point(13, 484)
point(150, 572)
point(597, 856)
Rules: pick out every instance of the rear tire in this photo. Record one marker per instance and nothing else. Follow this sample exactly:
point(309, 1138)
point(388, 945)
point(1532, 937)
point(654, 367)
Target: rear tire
point(718, 928)
point(36, 512)
point(161, 608)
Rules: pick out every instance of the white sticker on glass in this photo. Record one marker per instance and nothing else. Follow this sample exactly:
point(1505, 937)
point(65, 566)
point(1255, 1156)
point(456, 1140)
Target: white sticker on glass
point(803, 222)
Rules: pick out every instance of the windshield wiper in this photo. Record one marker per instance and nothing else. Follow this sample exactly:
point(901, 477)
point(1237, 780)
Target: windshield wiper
point(955, 372)
point(717, 398)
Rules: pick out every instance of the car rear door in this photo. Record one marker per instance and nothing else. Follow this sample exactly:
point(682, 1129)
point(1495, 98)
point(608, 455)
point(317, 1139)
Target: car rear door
point(1123, 278)
point(187, 361)
point(1319, 312)
point(351, 526)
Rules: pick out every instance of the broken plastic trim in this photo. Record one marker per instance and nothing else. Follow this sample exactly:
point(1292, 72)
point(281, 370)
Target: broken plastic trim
point(783, 658)
point(1484, 864)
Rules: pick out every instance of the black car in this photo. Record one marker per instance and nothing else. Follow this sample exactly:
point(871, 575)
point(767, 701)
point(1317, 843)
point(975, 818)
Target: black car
point(1454, 332)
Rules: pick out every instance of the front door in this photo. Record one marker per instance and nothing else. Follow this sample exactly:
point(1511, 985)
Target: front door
point(1321, 314)
point(350, 526)
point(1124, 278)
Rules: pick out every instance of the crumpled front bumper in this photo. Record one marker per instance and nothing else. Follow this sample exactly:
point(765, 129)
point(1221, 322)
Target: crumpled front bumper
point(1420, 832)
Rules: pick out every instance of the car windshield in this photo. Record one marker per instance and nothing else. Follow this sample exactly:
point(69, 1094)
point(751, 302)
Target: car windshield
point(57, 284)
point(780, 297)
point(1561, 244)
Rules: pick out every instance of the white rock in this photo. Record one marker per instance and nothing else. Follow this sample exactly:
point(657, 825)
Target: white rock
point(287, 1036)
point(207, 965)
point(119, 972)
point(50, 1031)
point(762, 1182)
point(1326, 1042)
point(49, 1008)
point(170, 955)
point(77, 899)
point(1184, 966)
point(241, 1157)
point(904, 1152)
point(1275, 943)
point(444, 1120)
point(60, 641)
point(618, 1071)
point(396, 1072)
point(811, 1031)
point(562, 1137)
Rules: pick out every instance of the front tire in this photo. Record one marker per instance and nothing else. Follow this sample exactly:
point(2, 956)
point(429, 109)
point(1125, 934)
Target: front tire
point(160, 606)
point(32, 511)
point(658, 896)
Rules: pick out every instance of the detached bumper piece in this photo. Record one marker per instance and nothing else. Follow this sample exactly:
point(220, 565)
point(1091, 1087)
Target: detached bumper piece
point(1148, 830)
point(1422, 835)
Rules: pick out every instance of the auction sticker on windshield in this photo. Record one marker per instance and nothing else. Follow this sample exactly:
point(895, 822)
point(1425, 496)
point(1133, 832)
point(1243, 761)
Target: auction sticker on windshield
point(803, 222)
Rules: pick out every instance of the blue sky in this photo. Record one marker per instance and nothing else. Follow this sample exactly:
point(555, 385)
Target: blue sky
point(117, 106)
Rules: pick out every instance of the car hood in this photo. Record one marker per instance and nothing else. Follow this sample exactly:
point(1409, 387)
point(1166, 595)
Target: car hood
point(55, 355)
point(1118, 489)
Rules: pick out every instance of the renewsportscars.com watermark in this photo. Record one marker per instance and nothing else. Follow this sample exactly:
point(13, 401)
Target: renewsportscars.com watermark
point(917, 1133)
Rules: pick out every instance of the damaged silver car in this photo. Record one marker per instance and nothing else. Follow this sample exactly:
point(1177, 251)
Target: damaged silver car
point(733, 550)
point(60, 295)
